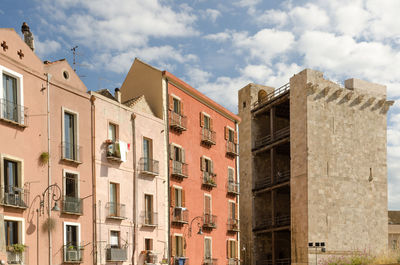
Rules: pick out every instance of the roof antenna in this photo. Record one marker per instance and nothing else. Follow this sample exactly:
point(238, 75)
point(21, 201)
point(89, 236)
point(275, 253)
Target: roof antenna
point(74, 55)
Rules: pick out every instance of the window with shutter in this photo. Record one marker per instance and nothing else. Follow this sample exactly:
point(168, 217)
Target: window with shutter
point(114, 239)
point(207, 248)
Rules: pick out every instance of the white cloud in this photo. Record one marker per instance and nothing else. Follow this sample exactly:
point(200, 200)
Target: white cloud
point(211, 14)
point(247, 3)
point(308, 17)
point(219, 37)
point(46, 47)
point(272, 17)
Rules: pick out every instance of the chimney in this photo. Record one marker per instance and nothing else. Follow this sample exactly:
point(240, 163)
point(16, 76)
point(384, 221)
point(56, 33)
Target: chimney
point(28, 36)
point(117, 95)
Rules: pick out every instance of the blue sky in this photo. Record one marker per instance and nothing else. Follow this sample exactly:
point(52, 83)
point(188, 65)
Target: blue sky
point(220, 46)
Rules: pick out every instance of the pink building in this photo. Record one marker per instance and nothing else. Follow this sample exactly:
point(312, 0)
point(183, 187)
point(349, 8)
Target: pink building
point(45, 158)
point(131, 188)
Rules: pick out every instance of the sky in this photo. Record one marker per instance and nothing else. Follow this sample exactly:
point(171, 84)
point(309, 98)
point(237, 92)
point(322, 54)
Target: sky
point(220, 46)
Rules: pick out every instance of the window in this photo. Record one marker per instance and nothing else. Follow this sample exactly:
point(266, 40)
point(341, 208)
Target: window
point(177, 105)
point(11, 96)
point(206, 165)
point(71, 185)
point(112, 132)
point(178, 249)
point(231, 249)
point(12, 183)
point(230, 135)
point(233, 210)
point(206, 122)
point(71, 201)
point(148, 201)
point(12, 232)
point(177, 197)
point(231, 175)
point(207, 204)
point(114, 199)
point(147, 154)
point(70, 145)
point(178, 154)
point(207, 248)
point(114, 239)
point(148, 244)
point(72, 235)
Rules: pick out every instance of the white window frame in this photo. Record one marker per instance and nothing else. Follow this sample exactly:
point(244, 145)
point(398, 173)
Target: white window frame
point(183, 243)
point(20, 83)
point(234, 173)
point(119, 236)
point(76, 120)
point(229, 210)
point(181, 189)
point(152, 242)
point(210, 238)
point(65, 232)
point(204, 203)
point(21, 228)
point(236, 249)
point(20, 163)
point(65, 171)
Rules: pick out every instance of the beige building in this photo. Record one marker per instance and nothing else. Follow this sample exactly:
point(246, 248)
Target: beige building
point(315, 155)
point(394, 229)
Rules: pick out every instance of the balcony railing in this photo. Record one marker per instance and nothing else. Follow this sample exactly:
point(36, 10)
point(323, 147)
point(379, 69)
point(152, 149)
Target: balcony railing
point(233, 261)
point(180, 215)
point(73, 254)
point(210, 261)
point(148, 166)
point(116, 254)
point(208, 136)
point(177, 121)
point(150, 218)
point(266, 140)
point(233, 188)
point(14, 257)
point(209, 179)
point(72, 205)
point(14, 196)
point(280, 177)
point(233, 225)
point(13, 113)
point(151, 258)
point(278, 221)
point(71, 152)
point(274, 94)
point(115, 210)
point(231, 148)
point(178, 169)
point(113, 151)
point(181, 261)
point(209, 221)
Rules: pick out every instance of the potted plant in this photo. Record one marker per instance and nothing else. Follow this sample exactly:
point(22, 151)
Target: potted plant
point(16, 248)
point(44, 158)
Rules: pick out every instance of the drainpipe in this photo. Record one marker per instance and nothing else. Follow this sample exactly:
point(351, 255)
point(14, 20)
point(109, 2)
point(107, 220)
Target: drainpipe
point(49, 166)
point(168, 189)
point(94, 213)
point(134, 148)
point(237, 196)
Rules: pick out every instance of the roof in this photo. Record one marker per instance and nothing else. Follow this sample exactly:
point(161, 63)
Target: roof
point(106, 93)
point(132, 101)
point(394, 217)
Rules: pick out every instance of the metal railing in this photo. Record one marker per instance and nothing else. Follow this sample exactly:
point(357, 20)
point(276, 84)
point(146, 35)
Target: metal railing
point(272, 95)
point(71, 152)
point(116, 254)
point(233, 224)
point(208, 136)
point(113, 151)
point(266, 223)
point(280, 177)
point(233, 188)
point(210, 261)
point(14, 196)
point(14, 257)
point(209, 220)
point(73, 254)
point(209, 179)
point(179, 169)
point(148, 166)
point(72, 205)
point(233, 261)
point(177, 121)
point(13, 112)
point(266, 140)
point(151, 258)
point(150, 218)
point(181, 260)
point(231, 148)
point(115, 210)
point(180, 215)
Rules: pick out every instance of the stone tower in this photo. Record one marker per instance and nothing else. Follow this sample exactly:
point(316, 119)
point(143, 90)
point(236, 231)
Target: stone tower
point(315, 155)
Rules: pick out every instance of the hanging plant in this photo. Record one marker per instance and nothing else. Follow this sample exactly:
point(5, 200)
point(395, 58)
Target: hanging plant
point(44, 158)
point(49, 224)
point(18, 248)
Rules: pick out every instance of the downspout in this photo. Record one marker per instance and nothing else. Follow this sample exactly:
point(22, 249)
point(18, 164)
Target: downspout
point(93, 125)
point(237, 196)
point(49, 166)
point(168, 184)
point(134, 148)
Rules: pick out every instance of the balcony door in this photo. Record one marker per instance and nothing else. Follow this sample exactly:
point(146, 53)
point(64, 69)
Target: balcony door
point(207, 209)
point(207, 248)
point(114, 199)
point(69, 136)
point(147, 154)
point(10, 176)
point(71, 236)
point(148, 201)
point(12, 232)
point(10, 95)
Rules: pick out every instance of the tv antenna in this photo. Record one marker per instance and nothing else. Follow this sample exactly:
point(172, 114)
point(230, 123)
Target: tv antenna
point(74, 56)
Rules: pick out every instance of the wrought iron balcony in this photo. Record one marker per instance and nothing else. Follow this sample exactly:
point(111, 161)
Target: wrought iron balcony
point(209, 179)
point(16, 257)
point(151, 258)
point(71, 152)
point(72, 205)
point(207, 136)
point(177, 121)
point(116, 254)
point(73, 254)
point(178, 169)
point(14, 196)
point(113, 151)
point(148, 166)
point(280, 177)
point(150, 218)
point(180, 215)
point(210, 261)
point(181, 260)
point(231, 148)
point(115, 210)
point(13, 113)
point(233, 225)
point(267, 140)
point(271, 96)
point(233, 188)
point(209, 221)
